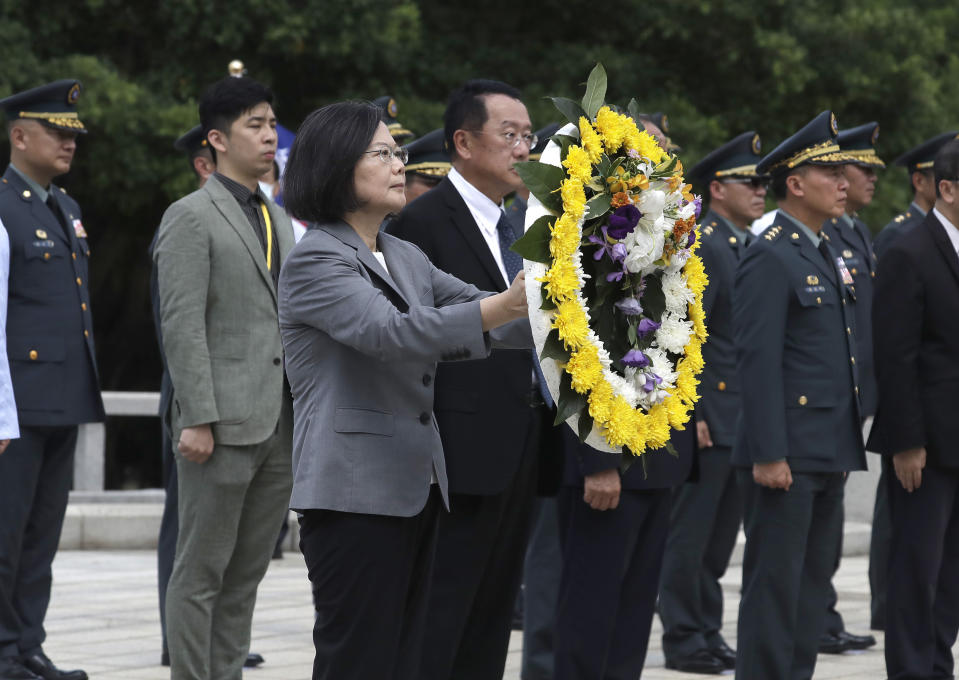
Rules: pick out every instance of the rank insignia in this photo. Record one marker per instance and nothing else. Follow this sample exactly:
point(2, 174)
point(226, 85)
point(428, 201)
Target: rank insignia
point(41, 234)
point(847, 253)
point(812, 280)
point(78, 229)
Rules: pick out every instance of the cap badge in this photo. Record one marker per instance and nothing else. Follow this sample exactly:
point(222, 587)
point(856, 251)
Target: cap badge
point(664, 124)
point(833, 125)
point(875, 135)
point(757, 145)
point(391, 108)
point(74, 94)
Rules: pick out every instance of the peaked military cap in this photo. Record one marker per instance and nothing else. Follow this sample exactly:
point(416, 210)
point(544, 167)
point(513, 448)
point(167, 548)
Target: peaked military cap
point(542, 139)
point(736, 158)
point(191, 141)
point(390, 111)
point(428, 155)
point(53, 104)
point(922, 156)
point(860, 144)
point(660, 120)
point(814, 144)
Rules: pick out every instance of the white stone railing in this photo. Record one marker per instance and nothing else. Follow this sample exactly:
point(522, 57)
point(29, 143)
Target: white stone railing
point(88, 466)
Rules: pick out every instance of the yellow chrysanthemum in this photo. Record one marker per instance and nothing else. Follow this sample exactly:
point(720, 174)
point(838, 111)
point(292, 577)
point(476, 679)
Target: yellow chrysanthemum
point(600, 401)
point(676, 412)
point(611, 126)
point(637, 443)
point(562, 281)
point(572, 323)
point(574, 197)
point(657, 427)
point(578, 164)
point(591, 142)
point(565, 237)
point(620, 424)
point(686, 383)
point(585, 369)
point(647, 146)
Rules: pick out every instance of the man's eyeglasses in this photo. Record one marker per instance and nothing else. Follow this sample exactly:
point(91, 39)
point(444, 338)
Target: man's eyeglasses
point(387, 154)
point(513, 139)
point(754, 182)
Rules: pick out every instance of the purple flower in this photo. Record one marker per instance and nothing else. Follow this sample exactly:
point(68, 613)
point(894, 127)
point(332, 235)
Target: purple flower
point(629, 306)
point(615, 276)
point(699, 206)
point(692, 239)
point(635, 358)
point(618, 253)
point(652, 380)
point(623, 221)
point(646, 326)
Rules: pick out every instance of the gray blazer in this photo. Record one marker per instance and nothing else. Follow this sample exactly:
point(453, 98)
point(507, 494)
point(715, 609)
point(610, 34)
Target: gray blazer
point(361, 350)
point(218, 314)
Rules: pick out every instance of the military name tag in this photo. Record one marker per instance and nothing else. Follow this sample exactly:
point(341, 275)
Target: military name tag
point(78, 229)
point(47, 243)
point(843, 272)
point(815, 289)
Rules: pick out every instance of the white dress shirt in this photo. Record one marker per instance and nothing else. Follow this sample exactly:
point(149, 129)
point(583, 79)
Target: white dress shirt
point(951, 230)
point(8, 407)
point(485, 213)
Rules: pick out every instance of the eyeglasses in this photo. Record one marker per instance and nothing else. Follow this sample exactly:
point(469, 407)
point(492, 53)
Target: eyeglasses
point(754, 182)
point(512, 139)
point(386, 154)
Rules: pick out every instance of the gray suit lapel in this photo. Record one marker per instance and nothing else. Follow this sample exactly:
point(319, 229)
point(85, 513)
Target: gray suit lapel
point(230, 209)
point(348, 235)
point(284, 236)
point(399, 267)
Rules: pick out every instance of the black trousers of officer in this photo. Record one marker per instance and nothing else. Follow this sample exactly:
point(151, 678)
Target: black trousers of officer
point(704, 523)
point(541, 576)
point(36, 473)
point(833, 622)
point(789, 558)
point(922, 605)
point(611, 569)
point(879, 547)
point(477, 574)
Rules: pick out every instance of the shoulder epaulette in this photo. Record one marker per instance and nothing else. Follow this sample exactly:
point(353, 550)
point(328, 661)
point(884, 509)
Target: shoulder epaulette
point(899, 219)
point(773, 232)
point(62, 189)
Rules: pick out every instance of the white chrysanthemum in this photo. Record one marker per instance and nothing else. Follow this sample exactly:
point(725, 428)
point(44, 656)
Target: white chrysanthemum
point(677, 292)
point(651, 204)
point(687, 211)
point(623, 388)
point(674, 333)
point(661, 366)
point(643, 247)
point(678, 260)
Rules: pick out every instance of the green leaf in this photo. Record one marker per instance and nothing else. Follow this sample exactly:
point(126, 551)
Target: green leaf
point(598, 205)
point(585, 425)
point(631, 334)
point(570, 401)
point(634, 111)
point(671, 449)
point(653, 299)
point(553, 348)
point(569, 108)
point(543, 182)
point(595, 91)
point(547, 304)
point(534, 244)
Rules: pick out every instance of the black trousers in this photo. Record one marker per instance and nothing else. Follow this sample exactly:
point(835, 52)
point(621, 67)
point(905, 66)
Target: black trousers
point(922, 602)
point(36, 473)
point(879, 547)
point(611, 570)
point(789, 559)
point(542, 571)
point(704, 523)
point(477, 574)
point(371, 578)
point(833, 623)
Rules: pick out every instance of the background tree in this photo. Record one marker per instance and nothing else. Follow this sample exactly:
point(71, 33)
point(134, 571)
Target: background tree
point(716, 67)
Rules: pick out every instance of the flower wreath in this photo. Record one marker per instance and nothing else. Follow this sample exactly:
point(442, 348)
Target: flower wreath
point(613, 283)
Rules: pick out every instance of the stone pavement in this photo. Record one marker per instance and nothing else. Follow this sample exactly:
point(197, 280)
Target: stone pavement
point(103, 618)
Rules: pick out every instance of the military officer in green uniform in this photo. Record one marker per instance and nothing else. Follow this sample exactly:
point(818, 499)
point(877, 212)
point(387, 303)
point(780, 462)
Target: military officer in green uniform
point(705, 515)
point(850, 236)
point(799, 434)
point(918, 161)
point(52, 364)
point(399, 133)
point(428, 164)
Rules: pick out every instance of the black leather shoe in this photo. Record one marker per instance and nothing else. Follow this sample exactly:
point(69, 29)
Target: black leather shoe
point(724, 653)
point(701, 661)
point(856, 641)
point(12, 669)
point(252, 660)
point(41, 665)
point(831, 644)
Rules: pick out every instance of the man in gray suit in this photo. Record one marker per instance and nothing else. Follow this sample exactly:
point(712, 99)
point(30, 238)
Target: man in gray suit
point(218, 257)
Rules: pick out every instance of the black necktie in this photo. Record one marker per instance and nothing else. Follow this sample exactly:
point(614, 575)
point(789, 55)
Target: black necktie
point(55, 209)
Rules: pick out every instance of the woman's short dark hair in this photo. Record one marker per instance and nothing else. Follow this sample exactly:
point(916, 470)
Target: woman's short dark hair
point(466, 107)
point(318, 179)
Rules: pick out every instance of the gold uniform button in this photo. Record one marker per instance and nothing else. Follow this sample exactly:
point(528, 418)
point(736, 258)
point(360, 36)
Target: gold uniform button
point(848, 330)
point(721, 386)
point(732, 240)
point(33, 355)
point(852, 360)
point(83, 306)
point(74, 255)
point(46, 256)
point(818, 300)
point(853, 270)
point(79, 281)
point(26, 193)
point(857, 389)
point(86, 333)
point(872, 274)
point(844, 300)
point(803, 401)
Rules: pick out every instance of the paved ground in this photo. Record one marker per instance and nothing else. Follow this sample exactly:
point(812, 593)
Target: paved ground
point(103, 618)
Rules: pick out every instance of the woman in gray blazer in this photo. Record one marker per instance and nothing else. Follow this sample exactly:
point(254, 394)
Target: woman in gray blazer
point(364, 319)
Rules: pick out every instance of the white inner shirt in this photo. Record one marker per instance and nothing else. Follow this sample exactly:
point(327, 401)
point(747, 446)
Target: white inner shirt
point(951, 231)
point(485, 213)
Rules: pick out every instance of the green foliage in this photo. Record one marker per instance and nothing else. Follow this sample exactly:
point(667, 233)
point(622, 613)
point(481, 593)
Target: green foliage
point(534, 244)
point(717, 69)
point(543, 182)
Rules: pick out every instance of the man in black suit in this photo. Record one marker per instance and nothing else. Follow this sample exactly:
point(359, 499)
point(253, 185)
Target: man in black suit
point(706, 513)
point(916, 322)
point(490, 412)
